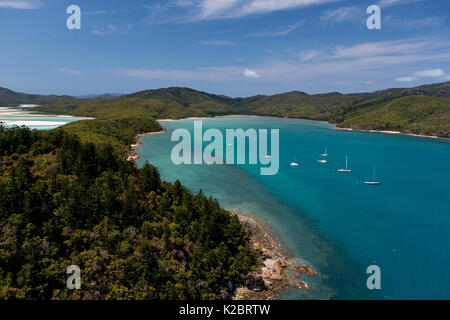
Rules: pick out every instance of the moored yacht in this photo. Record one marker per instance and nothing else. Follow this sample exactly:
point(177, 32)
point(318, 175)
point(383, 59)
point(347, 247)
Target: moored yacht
point(346, 166)
point(374, 181)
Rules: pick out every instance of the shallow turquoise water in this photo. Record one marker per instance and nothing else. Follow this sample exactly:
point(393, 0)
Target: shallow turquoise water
point(332, 220)
point(11, 116)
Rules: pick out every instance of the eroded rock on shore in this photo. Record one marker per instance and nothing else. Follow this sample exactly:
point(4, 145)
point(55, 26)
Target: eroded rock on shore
point(276, 273)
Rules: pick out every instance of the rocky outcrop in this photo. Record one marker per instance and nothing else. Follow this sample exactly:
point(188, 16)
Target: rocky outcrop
point(306, 269)
point(276, 272)
point(410, 92)
point(274, 269)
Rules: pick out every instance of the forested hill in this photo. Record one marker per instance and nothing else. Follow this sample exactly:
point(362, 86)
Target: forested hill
point(176, 103)
point(66, 201)
point(412, 114)
point(11, 98)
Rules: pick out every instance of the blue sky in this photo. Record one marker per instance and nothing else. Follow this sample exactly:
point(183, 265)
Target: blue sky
point(232, 47)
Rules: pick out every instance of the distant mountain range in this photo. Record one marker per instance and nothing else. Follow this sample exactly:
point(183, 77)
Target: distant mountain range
point(9, 97)
point(419, 110)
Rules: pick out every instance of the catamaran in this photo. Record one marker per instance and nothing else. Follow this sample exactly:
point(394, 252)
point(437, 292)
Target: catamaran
point(325, 154)
point(322, 161)
point(346, 166)
point(294, 164)
point(374, 181)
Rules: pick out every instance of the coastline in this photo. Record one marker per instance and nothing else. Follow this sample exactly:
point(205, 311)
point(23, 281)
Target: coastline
point(335, 127)
point(253, 288)
point(394, 133)
point(133, 155)
point(277, 271)
point(212, 117)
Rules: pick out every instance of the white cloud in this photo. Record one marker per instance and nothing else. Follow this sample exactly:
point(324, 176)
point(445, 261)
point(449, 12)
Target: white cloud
point(20, 4)
point(199, 10)
point(406, 79)
point(222, 43)
point(183, 3)
point(375, 61)
point(103, 12)
point(430, 73)
point(368, 82)
point(391, 47)
point(70, 71)
point(433, 21)
point(388, 3)
point(343, 14)
point(217, 9)
point(310, 55)
point(283, 31)
point(112, 29)
point(251, 74)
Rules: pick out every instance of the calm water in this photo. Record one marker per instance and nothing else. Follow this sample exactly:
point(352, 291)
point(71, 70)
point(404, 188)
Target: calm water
point(22, 116)
point(332, 220)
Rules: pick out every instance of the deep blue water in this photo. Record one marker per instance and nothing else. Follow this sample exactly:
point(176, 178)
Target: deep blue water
point(332, 220)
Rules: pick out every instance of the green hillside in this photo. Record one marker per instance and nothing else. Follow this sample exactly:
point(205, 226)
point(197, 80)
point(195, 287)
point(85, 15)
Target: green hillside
point(177, 103)
point(342, 109)
point(174, 103)
point(65, 201)
point(413, 114)
point(11, 98)
point(118, 132)
point(433, 90)
point(300, 105)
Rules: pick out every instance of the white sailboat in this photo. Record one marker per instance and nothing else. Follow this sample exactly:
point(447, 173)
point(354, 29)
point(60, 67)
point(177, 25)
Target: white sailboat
point(294, 164)
point(323, 155)
point(374, 181)
point(346, 166)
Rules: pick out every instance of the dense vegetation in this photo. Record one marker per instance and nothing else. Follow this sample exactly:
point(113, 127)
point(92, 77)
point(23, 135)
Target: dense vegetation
point(117, 132)
point(359, 111)
point(68, 197)
point(68, 202)
point(412, 114)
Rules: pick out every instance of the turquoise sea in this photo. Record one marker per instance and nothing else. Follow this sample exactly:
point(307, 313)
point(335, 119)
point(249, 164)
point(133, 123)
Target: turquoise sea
point(333, 220)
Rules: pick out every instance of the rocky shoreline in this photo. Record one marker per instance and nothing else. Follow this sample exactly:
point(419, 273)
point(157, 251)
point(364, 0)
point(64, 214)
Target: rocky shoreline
point(133, 155)
point(277, 272)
